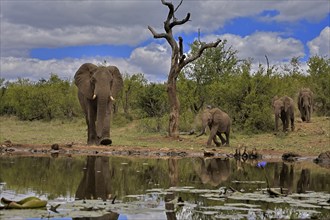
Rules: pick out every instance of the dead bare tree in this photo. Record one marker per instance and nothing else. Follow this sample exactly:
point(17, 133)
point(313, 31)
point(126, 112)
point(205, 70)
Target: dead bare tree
point(178, 61)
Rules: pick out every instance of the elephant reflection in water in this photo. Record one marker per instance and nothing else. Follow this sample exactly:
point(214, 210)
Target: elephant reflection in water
point(96, 183)
point(304, 181)
point(284, 178)
point(212, 171)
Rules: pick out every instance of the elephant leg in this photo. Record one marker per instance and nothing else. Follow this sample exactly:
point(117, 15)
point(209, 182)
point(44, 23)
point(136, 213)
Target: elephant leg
point(308, 114)
point(303, 116)
point(217, 143)
point(213, 132)
point(227, 137)
point(223, 140)
point(285, 121)
point(284, 126)
point(276, 123)
point(91, 118)
point(292, 123)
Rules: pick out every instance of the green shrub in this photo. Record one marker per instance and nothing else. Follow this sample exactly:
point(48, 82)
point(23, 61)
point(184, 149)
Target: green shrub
point(154, 124)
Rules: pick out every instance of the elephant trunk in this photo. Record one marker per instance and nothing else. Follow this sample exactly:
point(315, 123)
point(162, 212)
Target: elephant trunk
point(276, 121)
point(101, 122)
point(307, 112)
point(202, 132)
point(305, 109)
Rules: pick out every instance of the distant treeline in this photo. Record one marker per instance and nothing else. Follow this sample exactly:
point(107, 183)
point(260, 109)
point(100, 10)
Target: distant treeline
point(218, 78)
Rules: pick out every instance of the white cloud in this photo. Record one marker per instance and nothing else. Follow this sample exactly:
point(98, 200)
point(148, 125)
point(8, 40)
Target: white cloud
point(31, 24)
point(259, 44)
point(320, 45)
point(154, 60)
point(25, 25)
point(17, 36)
point(292, 11)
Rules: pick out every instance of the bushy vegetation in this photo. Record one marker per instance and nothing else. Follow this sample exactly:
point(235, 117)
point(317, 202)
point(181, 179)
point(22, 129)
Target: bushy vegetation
point(45, 99)
point(218, 79)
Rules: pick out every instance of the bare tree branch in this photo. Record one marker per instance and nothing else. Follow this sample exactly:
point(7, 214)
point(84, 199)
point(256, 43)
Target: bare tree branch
point(200, 52)
point(182, 56)
point(178, 6)
point(268, 69)
point(157, 35)
point(169, 16)
point(175, 22)
point(180, 46)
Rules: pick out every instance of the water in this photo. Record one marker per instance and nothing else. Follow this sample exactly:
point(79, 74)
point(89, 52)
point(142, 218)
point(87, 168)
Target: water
point(188, 188)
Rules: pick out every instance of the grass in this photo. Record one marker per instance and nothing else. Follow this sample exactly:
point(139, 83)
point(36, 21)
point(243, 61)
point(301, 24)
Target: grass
point(308, 138)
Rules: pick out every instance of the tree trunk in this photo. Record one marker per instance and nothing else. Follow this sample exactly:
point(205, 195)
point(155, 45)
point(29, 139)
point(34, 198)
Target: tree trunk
point(178, 61)
point(174, 108)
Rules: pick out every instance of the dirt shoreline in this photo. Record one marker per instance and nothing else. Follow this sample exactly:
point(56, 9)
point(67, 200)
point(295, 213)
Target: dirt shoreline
point(72, 150)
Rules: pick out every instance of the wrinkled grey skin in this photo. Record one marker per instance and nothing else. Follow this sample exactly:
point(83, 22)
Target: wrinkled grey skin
point(97, 88)
point(219, 123)
point(305, 104)
point(283, 109)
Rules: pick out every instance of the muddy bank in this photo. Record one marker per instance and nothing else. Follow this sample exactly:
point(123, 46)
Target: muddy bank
point(71, 150)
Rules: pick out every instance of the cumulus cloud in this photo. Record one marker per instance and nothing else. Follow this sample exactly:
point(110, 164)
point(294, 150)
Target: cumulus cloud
point(17, 36)
point(320, 45)
point(13, 68)
point(26, 25)
point(31, 24)
point(259, 44)
point(154, 60)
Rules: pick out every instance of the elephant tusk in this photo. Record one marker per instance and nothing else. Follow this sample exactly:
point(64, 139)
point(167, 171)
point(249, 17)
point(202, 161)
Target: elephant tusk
point(111, 98)
point(94, 96)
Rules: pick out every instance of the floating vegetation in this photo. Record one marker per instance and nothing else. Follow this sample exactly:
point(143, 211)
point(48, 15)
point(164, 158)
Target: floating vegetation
point(213, 189)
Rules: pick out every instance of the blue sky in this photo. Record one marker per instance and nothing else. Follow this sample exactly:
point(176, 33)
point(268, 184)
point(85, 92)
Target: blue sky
point(39, 37)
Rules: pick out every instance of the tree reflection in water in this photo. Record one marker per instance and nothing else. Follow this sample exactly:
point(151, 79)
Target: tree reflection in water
point(173, 173)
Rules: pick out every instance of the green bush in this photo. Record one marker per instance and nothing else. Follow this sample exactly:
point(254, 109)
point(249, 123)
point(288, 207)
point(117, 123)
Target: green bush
point(154, 124)
point(46, 100)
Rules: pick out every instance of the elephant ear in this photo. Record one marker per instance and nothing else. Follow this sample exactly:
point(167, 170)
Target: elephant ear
point(300, 102)
point(82, 79)
point(273, 100)
point(312, 98)
point(216, 115)
point(117, 80)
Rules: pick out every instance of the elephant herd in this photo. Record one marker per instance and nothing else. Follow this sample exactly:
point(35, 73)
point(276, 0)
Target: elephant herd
point(99, 85)
point(219, 122)
point(284, 108)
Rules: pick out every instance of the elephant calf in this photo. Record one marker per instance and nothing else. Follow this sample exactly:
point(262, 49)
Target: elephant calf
point(218, 122)
point(283, 109)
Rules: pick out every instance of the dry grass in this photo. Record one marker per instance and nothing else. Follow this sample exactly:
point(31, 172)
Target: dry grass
point(308, 139)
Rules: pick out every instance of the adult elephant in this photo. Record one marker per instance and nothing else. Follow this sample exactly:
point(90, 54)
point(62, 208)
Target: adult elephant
point(219, 123)
point(305, 104)
point(97, 87)
point(283, 109)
